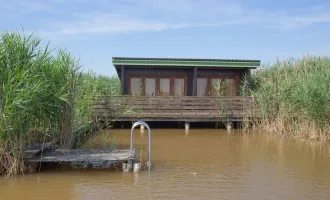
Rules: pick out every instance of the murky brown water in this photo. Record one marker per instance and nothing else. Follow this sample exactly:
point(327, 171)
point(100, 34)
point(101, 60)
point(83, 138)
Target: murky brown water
point(204, 164)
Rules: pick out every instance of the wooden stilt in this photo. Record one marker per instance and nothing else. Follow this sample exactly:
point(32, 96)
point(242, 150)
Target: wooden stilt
point(229, 125)
point(187, 126)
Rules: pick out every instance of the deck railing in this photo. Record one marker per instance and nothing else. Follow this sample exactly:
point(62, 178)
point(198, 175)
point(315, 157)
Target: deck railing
point(168, 108)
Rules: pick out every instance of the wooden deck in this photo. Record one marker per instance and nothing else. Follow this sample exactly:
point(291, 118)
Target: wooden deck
point(187, 108)
point(78, 155)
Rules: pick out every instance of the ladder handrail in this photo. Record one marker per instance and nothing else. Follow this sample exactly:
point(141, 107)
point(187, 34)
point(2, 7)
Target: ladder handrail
point(139, 123)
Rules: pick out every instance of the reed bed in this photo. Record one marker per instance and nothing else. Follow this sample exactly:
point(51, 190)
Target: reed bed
point(44, 97)
point(293, 97)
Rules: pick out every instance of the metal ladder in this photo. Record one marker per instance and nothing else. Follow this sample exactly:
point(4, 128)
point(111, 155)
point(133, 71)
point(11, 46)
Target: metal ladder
point(139, 123)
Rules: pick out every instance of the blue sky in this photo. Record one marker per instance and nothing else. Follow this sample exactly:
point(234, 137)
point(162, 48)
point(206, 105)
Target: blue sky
point(94, 31)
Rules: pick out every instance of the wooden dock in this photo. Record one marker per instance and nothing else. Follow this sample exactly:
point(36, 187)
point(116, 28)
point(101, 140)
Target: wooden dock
point(170, 108)
point(79, 155)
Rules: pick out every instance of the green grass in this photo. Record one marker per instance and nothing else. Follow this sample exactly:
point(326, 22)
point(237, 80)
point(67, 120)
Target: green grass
point(293, 97)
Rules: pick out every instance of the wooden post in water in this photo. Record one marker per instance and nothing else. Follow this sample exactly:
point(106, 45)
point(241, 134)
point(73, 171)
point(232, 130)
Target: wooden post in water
point(187, 126)
point(229, 125)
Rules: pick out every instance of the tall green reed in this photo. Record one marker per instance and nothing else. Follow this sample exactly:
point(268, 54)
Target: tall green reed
point(44, 96)
point(293, 97)
point(21, 87)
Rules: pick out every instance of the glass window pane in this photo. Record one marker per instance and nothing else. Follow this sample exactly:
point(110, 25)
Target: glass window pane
point(202, 87)
point(218, 87)
point(223, 87)
point(164, 87)
point(179, 87)
point(150, 89)
point(230, 87)
point(135, 87)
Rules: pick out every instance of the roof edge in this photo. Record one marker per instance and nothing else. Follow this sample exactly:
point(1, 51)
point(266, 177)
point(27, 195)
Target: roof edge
point(185, 62)
point(182, 59)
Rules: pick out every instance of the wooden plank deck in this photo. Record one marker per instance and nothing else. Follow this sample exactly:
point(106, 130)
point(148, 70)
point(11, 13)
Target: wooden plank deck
point(79, 155)
point(187, 108)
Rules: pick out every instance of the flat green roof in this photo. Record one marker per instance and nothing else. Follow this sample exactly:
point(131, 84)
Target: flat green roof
point(185, 62)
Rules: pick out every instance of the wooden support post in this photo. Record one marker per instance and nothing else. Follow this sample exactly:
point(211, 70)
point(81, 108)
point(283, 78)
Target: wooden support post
point(194, 92)
point(124, 166)
point(142, 133)
point(142, 127)
point(130, 165)
point(229, 125)
point(187, 126)
point(122, 79)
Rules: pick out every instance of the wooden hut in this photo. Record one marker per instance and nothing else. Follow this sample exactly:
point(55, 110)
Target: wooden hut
point(181, 89)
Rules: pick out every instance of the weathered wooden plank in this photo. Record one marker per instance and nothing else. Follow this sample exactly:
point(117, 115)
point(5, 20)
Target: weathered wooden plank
point(179, 105)
point(173, 100)
point(161, 107)
point(173, 107)
point(78, 155)
point(186, 115)
point(188, 108)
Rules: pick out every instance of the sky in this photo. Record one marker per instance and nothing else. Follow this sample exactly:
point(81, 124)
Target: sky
point(95, 31)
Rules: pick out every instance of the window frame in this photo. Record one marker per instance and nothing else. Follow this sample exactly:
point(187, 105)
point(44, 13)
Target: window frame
point(209, 84)
point(157, 80)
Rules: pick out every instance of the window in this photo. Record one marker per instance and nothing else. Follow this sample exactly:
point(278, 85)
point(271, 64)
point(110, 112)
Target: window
point(135, 86)
point(157, 86)
point(223, 87)
point(150, 87)
point(164, 87)
point(231, 87)
point(201, 86)
point(179, 89)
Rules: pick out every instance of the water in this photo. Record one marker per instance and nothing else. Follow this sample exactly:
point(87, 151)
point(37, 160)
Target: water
point(201, 164)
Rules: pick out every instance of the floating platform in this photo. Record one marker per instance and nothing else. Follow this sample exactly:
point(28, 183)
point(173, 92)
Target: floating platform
point(79, 155)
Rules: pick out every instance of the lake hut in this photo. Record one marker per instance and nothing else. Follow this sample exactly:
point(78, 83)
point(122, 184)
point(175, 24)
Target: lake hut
point(181, 89)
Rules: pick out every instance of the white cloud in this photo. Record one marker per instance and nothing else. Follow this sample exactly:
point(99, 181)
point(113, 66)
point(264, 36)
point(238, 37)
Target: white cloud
point(284, 21)
point(107, 23)
point(24, 7)
point(122, 16)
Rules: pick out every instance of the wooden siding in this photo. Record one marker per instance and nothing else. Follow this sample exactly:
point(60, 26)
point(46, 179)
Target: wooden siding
point(130, 108)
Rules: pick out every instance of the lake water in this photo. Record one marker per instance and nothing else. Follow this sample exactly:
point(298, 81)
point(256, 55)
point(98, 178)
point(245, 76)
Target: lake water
point(199, 164)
